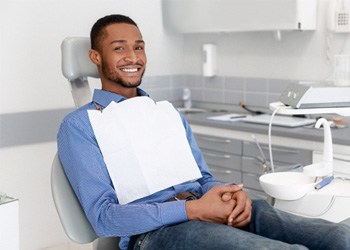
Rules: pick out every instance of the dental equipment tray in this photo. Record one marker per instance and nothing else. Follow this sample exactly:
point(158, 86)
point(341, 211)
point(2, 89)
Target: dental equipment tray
point(278, 120)
point(315, 95)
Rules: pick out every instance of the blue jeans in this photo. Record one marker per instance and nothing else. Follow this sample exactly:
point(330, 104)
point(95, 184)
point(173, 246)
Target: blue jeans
point(269, 229)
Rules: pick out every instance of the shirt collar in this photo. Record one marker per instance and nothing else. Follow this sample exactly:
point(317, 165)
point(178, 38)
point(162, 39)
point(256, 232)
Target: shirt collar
point(104, 98)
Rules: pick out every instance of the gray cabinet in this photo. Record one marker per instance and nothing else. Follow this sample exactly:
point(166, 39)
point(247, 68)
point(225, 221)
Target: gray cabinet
point(280, 154)
point(220, 144)
point(236, 161)
point(223, 157)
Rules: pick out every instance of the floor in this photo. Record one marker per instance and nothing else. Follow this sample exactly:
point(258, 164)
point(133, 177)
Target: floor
point(72, 246)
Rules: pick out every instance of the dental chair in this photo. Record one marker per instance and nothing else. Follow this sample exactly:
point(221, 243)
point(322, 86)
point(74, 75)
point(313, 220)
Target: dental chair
point(76, 67)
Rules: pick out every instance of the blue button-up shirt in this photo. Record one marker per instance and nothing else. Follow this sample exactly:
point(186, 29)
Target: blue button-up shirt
point(83, 163)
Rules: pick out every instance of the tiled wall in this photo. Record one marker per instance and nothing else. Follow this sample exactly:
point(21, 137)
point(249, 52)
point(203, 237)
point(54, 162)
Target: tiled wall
point(257, 92)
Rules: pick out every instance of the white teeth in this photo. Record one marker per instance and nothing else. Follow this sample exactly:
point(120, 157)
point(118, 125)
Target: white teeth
point(129, 70)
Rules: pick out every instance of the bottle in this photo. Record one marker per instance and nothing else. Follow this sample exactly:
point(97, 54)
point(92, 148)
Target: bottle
point(186, 98)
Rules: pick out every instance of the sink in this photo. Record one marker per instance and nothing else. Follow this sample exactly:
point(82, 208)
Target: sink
point(287, 185)
point(191, 110)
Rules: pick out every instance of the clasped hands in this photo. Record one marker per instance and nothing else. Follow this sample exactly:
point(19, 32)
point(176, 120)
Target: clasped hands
point(226, 204)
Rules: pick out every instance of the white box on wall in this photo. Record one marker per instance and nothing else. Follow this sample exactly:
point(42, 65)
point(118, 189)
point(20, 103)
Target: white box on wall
point(9, 226)
point(196, 16)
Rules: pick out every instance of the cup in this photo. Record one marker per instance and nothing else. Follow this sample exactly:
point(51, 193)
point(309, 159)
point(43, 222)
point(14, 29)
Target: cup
point(342, 70)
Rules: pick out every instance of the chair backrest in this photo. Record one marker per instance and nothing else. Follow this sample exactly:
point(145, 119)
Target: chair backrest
point(72, 216)
point(77, 67)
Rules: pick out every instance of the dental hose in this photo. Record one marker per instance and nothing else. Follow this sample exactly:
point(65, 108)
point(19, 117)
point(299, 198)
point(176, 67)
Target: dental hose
point(256, 112)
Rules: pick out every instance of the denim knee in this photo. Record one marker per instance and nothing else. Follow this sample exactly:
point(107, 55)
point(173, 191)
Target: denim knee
point(340, 235)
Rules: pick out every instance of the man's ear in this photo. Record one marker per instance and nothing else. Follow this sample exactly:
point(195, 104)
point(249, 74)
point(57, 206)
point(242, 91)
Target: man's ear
point(95, 57)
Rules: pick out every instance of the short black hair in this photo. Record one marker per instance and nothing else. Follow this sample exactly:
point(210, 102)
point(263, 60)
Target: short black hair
point(97, 29)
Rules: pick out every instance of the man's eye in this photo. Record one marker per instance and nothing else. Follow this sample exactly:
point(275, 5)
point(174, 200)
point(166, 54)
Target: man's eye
point(118, 48)
point(139, 48)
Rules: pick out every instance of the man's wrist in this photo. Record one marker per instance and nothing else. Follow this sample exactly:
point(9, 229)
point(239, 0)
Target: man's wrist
point(191, 210)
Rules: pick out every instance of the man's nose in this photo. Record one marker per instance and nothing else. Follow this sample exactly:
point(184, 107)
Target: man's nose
point(131, 56)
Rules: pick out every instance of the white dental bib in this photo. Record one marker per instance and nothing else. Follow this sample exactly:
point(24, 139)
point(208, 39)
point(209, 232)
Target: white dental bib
point(144, 146)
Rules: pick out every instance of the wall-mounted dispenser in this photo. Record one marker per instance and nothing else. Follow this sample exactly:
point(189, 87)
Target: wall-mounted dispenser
point(209, 65)
point(195, 16)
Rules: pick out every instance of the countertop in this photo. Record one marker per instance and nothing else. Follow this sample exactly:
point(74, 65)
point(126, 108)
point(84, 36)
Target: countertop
point(340, 136)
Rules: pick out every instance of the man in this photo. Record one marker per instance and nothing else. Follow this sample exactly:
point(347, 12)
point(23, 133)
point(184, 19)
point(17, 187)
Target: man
point(206, 214)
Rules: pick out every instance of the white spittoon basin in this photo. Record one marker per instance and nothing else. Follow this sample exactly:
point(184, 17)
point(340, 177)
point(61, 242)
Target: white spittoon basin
point(294, 185)
point(287, 185)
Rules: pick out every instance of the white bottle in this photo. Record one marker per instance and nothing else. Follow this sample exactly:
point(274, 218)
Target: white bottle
point(186, 98)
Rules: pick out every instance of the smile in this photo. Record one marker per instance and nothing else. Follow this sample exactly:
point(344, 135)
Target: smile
point(129, 70)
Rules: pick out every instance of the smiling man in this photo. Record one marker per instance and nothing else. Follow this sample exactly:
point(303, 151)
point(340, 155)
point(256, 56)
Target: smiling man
point(201, 214)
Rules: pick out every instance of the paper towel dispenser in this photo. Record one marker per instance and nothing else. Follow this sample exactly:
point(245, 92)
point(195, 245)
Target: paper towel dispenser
point(201, 16)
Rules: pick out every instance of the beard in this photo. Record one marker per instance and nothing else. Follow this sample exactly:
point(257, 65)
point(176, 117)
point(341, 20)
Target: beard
point(112, 75)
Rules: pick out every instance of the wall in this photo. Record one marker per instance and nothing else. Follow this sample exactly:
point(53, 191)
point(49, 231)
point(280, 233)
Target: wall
point(298, 56)
point(34, 96)
point(31, 34)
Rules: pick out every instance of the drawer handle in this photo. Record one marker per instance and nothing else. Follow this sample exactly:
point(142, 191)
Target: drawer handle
point(288, 151)
point(220, 171)
point(340, 159)
point(215, 139)
point(217, 155)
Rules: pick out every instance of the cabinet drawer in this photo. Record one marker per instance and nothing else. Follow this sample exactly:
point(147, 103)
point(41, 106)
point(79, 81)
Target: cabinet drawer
point(253, 165)
point(225, 175)
point(219, 144)
point(281, 154)
point(251, 181)
point(254, 194)
point(222, 159)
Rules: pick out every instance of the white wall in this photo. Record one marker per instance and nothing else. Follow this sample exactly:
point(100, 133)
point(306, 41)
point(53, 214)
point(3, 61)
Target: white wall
point(31, 32)
point(299, 55)
point(25, 174)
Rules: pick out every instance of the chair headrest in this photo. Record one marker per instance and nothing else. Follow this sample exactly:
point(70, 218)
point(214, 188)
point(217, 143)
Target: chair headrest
point(75, 58)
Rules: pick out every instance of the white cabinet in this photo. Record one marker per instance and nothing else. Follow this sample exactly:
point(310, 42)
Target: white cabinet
point(195, 16)
point(9, 227)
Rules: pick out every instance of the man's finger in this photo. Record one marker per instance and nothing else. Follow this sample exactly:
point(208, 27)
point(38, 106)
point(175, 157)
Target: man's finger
point(231, 188)
point(240, 207)
point(242, 223)
point(243, 217)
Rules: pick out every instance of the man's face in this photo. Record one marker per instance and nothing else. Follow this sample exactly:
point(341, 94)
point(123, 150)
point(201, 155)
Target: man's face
point(123, 57)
